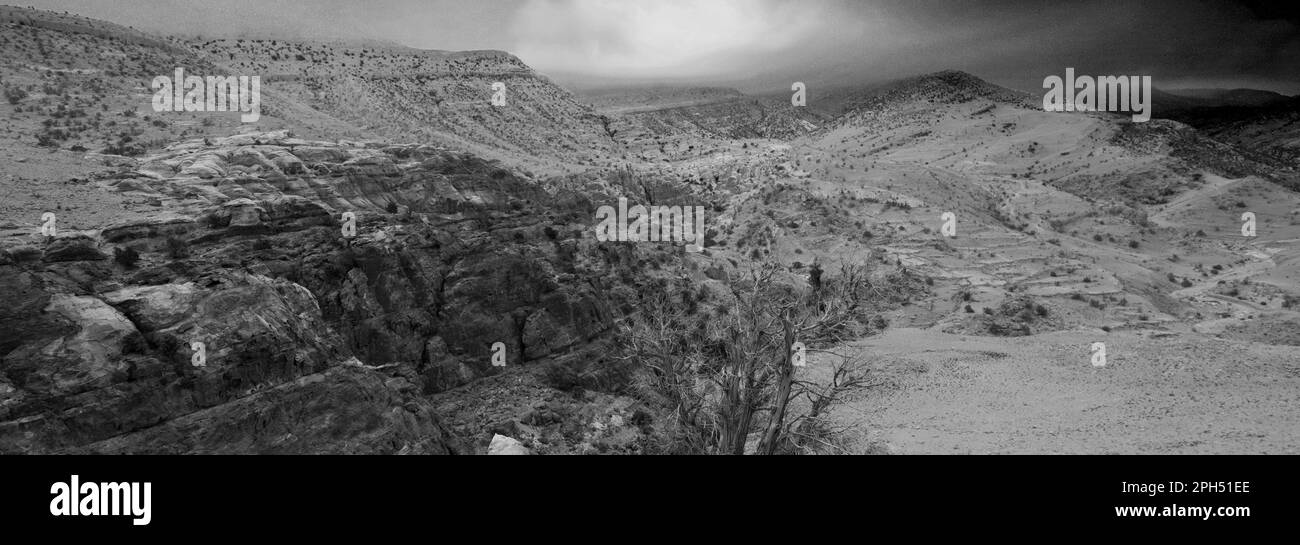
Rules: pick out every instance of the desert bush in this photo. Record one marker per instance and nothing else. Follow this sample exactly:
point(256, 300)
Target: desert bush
point(177, 248)
point(125, 148)
point(126, 257)
point(14, 94)
point(217, 221)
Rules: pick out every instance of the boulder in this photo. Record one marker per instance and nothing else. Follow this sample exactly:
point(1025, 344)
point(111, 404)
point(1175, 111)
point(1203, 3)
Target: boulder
point(243, 213)
point(505, 446)
point(85, 357)
point(156, 307)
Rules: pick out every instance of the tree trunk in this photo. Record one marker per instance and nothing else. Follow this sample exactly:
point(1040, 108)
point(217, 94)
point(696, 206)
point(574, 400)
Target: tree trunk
point(785, 381)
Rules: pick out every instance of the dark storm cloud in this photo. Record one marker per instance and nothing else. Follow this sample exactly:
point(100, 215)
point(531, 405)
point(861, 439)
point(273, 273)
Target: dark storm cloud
point(1018, 42)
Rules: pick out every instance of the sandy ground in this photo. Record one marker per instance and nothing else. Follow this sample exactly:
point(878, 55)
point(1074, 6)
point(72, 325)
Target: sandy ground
point(1176, 394)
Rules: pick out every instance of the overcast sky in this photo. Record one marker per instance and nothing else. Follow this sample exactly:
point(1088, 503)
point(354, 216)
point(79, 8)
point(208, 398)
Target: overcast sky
point(1181, 43)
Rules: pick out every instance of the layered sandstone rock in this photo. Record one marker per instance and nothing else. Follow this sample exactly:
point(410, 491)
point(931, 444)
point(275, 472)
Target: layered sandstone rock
point(311, 342)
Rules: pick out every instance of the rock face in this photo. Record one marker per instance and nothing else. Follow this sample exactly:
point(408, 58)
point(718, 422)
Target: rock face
point(78, 248)
point(83, 360)
point(244, 213)
point(340, 411)
point(116, 373)
point(251, 324)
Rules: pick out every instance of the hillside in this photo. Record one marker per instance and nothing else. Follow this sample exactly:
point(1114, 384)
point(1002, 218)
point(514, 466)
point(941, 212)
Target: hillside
point(1071, 229)
point(476, 230)
point(432, 96)
point(1266, 124)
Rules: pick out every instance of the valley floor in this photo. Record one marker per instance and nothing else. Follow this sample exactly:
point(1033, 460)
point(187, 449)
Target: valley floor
point(1176, 394)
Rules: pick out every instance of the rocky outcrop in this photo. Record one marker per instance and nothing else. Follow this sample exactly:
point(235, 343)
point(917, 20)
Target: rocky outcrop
point(74, 248)
point(344, 410)
point(252, 324)
point(120, 372)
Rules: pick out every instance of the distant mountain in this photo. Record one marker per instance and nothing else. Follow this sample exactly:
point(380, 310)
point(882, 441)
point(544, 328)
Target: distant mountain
point(1232, 97)
point(1263, 122)
point(947, 87)
point(624, 100)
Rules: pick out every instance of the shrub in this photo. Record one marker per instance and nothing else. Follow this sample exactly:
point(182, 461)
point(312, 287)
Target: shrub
point(178, 248)
point(126, 257)
point(14, 94)
point(215, 221)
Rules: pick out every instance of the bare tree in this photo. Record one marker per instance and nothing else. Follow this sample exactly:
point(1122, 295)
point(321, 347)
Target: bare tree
point(730, 373)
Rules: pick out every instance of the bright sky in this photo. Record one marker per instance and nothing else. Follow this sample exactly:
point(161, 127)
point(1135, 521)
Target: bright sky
point(1223, 43)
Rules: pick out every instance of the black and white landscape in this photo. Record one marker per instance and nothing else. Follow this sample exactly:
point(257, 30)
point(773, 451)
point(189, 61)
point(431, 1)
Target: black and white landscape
point(659, 227)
